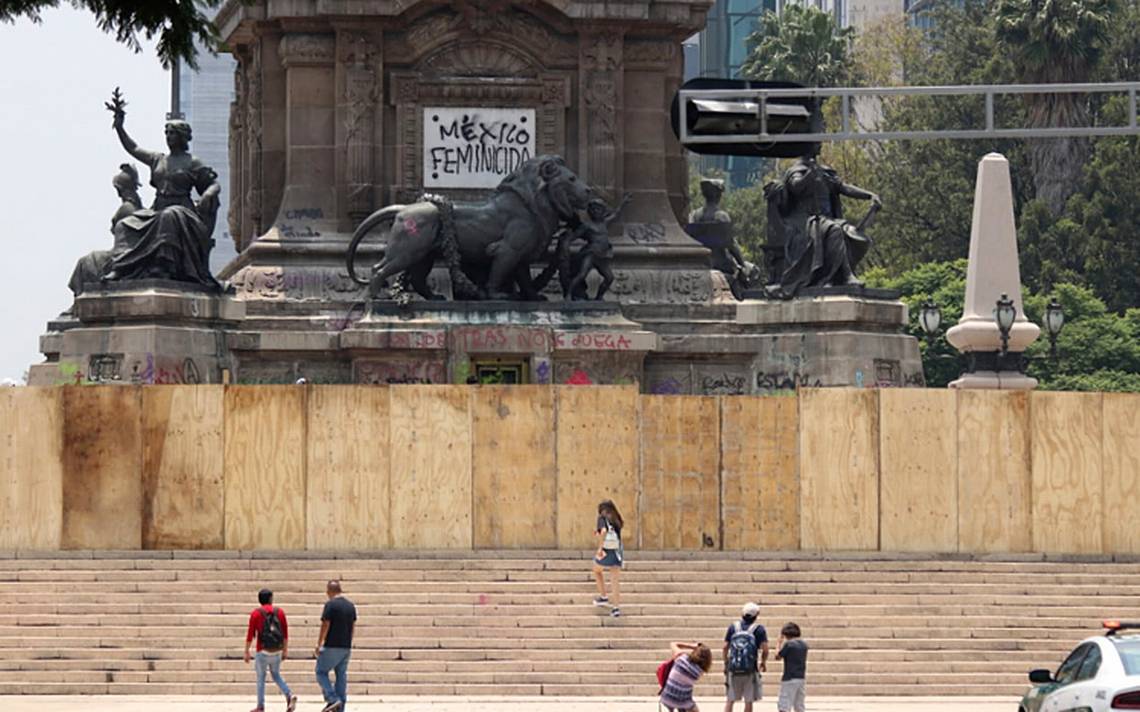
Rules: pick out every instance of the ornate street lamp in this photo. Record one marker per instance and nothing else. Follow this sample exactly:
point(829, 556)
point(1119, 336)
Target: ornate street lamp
point(1054, 322)
point(1005, 314)
point(930, 318)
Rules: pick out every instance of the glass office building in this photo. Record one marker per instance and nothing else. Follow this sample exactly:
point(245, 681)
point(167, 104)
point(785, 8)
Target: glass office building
point(205, 96)
point(723, 48)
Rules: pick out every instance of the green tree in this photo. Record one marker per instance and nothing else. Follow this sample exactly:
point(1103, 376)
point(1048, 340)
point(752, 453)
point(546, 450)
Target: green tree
point(928, 186)
point(1055, 41)
point(1097, 349)
point(801, 45)
point(176, 23)
point(944, 283)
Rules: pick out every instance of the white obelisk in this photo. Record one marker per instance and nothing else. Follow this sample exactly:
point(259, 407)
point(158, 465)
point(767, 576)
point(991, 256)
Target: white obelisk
point(993, 271)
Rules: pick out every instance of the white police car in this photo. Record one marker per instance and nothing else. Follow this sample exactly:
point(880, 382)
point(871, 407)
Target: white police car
point(1102, 674)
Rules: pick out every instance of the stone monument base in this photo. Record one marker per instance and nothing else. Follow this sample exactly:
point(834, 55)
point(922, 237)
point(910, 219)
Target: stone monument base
point(155, 333)
point(461, 342)
point(770, 346)
point(150, 331)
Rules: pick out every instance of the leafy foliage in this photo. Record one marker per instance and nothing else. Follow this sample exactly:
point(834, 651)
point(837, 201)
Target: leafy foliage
point(176, 23)
point(1055, 41)
point(1097, 349)
point(801, 45)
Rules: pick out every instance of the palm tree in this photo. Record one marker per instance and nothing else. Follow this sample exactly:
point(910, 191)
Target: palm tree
point(1055, 41)
point(801, 45)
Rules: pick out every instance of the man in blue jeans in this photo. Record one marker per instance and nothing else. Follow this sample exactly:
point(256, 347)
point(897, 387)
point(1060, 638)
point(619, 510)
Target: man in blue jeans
point(334, 647)
point(269, 626)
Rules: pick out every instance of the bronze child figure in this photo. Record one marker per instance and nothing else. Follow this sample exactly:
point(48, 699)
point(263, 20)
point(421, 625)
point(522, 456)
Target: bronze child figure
point(597, 254)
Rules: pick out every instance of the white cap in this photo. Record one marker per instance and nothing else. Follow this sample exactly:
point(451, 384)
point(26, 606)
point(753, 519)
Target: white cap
point(751, 610)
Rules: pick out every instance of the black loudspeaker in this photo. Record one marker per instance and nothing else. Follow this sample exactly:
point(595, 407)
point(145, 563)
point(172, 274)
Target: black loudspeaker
point(740, 116)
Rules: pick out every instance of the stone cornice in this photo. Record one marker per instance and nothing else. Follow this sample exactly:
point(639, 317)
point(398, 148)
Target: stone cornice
point(681, 17)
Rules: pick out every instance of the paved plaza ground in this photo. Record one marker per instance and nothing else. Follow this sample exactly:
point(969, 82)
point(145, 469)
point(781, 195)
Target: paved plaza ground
point(140, 703)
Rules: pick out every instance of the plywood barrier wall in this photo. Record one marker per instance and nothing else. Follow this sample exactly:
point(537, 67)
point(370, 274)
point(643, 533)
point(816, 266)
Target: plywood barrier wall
point(182, 467)
point(514, 474)
point(760, 487)
point(918, 479)
point(679, 489)
point(1121, 472)
point(994, 485)
point(839, 469)
point(347, 462)
point(1067, 484)
point(597, 430)
point(265, 467)
point(31, 468)
point(430, 431)
point(412, 467)
point(102, 467)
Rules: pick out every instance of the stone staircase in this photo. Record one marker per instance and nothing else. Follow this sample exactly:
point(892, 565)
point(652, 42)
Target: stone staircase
point(521, 623)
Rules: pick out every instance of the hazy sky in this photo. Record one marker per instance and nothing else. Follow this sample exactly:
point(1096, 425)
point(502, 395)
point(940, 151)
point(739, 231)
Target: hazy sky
point(58, 155)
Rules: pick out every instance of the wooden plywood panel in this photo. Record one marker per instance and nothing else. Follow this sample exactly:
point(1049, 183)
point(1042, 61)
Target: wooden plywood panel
point(348, 457)
point(515, 478)
point(1121, 472)
point(760, 488)
point(431, 467)
point(597, 459)
point(1067, 485)
point(183, 490)
point(918, 476)
point(839, 468)
point(31, 468)
point(265, 467)
point(102, 467)
point(679, 504)
point(994, 476)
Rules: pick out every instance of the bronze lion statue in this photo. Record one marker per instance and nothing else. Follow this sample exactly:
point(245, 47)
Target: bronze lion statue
point(488, 247)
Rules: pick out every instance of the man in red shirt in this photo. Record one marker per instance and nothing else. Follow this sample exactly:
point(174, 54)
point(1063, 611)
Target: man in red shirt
point(267, 623)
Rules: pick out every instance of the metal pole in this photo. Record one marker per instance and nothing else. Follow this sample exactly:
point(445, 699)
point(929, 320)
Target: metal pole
point(989, 111)
point(1132, 108)
point(175, 91)
point(845, 105)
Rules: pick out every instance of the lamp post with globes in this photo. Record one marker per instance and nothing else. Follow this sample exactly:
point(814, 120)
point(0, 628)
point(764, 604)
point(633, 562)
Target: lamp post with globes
point(1005, 314)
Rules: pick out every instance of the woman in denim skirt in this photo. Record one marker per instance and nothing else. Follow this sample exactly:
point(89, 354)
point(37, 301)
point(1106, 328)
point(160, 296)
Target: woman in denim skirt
point(609, 556)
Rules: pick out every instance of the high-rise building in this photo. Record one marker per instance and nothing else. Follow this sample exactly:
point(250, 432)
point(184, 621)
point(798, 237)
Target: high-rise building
point(723, 48)
point(205, 96)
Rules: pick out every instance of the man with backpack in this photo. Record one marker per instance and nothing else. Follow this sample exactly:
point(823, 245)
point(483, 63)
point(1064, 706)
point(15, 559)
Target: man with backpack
point(745, 657)
point(267, 623)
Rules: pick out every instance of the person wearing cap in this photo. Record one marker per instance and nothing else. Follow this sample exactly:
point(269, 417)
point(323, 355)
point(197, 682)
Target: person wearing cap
point(745, 657)
point(268, 625)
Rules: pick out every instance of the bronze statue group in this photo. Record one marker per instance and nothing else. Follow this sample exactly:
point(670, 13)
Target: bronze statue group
point(541, 211)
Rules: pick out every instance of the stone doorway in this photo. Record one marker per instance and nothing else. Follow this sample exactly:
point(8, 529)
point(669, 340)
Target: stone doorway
point(501, 371)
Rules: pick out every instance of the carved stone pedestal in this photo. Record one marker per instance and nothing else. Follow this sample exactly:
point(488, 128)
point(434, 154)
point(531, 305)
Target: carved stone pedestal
point(147, 332)
point(509, 342)
point(758, 347)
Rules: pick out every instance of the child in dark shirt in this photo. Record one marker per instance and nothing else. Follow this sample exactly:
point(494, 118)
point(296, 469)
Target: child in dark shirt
point(793, 651)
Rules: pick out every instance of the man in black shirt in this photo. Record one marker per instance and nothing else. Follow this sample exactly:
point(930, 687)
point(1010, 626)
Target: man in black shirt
point(334, 647)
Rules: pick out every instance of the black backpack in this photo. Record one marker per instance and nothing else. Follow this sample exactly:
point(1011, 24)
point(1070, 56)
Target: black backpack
point(270, 637)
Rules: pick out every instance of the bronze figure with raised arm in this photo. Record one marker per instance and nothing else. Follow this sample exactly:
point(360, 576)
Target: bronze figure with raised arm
point(171, 240)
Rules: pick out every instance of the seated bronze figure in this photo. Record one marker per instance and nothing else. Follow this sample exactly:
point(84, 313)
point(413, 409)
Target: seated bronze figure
point(172, 240)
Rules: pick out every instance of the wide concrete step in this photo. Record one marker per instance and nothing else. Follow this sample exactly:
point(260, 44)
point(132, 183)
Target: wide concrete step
point(308, 691)
point(500, 623)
